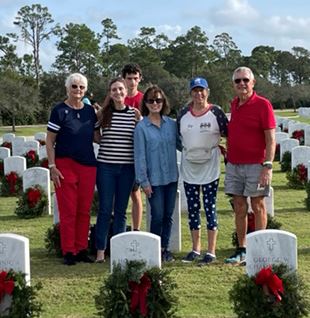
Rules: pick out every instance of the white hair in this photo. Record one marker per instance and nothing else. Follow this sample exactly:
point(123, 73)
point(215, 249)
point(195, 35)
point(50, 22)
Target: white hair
point(76, 77)
point(243, 69)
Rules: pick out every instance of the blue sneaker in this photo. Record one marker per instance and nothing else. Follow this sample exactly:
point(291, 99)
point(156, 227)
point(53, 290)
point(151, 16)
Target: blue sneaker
point(236, 259)
point(166, 256)
point(190, 257)
point(207, 259)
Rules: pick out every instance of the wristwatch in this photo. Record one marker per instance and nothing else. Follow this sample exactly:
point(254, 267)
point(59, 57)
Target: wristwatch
point(267, 164)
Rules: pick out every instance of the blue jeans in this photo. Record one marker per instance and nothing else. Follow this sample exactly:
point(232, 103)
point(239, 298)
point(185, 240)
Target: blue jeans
point(162, 202)
point(114, 184)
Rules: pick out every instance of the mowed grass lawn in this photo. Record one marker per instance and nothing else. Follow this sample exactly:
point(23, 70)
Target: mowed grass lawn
point(202, 292)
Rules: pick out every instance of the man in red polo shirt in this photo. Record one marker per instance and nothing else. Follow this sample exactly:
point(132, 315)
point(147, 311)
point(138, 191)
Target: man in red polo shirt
point(250, 152)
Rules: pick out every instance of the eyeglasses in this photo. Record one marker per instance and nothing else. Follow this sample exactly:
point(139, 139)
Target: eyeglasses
point(81, 87)
point(152, 101)
point(244, 80)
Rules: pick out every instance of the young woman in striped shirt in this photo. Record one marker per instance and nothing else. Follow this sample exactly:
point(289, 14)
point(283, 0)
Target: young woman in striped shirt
point(116, 173)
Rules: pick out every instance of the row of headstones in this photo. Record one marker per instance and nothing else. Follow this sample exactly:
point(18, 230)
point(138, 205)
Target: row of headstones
point(263, 248)
point(304, 112)
point(299, 154)
point(30, 177)
point(21, 145)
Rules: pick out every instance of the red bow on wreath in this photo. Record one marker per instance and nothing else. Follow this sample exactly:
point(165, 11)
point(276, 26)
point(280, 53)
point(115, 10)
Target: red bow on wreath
point(139, 294)
point(33, 197)
point(31, 154)
point(270, 282)
point(12, 179)
point(6, 285)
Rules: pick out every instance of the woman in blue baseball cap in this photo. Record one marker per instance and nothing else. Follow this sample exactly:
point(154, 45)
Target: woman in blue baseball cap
point(201, 126)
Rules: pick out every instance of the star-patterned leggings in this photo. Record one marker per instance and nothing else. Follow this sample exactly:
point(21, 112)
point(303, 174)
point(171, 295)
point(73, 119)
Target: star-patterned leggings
point(209, 192)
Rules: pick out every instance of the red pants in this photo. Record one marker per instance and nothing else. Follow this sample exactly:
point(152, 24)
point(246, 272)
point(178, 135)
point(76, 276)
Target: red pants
point(74, 198)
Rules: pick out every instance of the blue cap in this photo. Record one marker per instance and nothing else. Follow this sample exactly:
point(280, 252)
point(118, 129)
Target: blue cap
point(198, 82)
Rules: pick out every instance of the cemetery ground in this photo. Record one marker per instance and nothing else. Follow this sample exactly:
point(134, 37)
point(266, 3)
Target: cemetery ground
point(202, 291)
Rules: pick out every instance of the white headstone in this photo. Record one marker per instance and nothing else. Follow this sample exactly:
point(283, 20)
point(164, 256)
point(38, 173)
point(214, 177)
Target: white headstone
point(141, 246)
point(18, 146)
point(14, 163)
point(40, 136)
point(286, 145)
point(294, 127)
point(175, 244)
point(182, 191)
point(38, 176)
point(8, 137)
point(307, 135)
point(14, 253)
point(300, 155)
point(304, 111)
point(42, 152)
point(269, 247)
point(281, 136)
point(4, 152)
point(31, 145)
point(285, 124)
point(55, 209)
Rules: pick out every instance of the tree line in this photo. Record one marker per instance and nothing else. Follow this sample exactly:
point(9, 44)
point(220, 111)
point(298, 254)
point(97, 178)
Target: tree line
point(27, 92)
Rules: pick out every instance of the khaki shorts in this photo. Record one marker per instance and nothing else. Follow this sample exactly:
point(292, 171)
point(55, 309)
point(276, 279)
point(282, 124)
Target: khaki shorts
point(242, 179)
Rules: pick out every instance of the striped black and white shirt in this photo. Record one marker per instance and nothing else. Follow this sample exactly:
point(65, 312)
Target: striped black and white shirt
point(116, 144)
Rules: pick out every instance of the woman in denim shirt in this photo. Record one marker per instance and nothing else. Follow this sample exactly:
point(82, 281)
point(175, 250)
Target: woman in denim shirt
point(156, 163)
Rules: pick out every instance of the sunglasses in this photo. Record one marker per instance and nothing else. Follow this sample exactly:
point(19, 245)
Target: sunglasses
point(152, 101)
point(81, 87)
point(244, 80)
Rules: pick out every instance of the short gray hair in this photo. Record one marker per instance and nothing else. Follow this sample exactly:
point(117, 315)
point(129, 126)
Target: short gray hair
point(76, 77)
point(243, 69)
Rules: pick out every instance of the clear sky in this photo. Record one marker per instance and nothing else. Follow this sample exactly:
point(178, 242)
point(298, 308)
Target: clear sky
point(282, 24)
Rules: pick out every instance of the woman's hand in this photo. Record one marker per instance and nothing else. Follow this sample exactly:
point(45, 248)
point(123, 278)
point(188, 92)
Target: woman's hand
point(148, 191)
point(56, 176)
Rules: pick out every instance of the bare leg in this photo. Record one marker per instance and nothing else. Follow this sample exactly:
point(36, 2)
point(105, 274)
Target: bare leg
point(212, 234)
point(137, 209)
point(240, 208)
point(259, 208)
point(196, 239)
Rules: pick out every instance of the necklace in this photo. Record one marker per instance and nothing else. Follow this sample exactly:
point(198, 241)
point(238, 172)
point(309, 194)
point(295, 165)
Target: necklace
point(76, 109)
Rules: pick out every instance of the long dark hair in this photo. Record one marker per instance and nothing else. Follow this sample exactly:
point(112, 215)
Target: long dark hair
point(106, 112)
point(151, 92)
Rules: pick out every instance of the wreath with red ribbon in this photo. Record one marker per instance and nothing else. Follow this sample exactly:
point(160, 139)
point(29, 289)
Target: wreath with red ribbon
point(300, 136)
point(7, 144)
point(135, 291)
point(11, 184)
point(275, 291)
point(298, 177)
point(32, 158)
point(24, 301)
point(32, 203)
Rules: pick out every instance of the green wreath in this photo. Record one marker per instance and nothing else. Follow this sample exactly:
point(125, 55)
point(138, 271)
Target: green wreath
point(1, 168)
point(298, 177)
point(250, 299)
point(52, 240)
point(11, 184)
point(286, 161)
point(32, 203)
point(115, 296)
point(24, 302)
point(32, 158)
